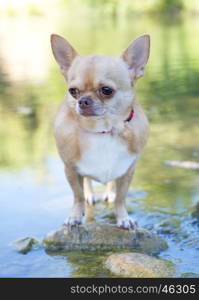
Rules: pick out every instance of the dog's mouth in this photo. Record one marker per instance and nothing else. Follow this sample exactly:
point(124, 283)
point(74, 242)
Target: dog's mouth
point(87, 112)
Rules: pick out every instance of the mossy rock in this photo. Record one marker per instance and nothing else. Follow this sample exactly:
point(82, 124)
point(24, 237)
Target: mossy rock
point(139, 265)
point(100, 236)
point(24, 245)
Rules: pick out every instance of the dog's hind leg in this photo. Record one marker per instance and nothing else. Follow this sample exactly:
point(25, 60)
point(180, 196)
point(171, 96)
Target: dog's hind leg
point(110, 192)
point(88, 191)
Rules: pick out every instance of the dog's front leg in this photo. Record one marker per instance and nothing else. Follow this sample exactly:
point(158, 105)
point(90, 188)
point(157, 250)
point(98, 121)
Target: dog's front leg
point(78, 209)
point(122, 185)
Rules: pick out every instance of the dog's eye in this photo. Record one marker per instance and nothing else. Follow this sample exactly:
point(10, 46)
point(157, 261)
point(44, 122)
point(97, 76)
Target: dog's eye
point(107, 91)
point(74, 92)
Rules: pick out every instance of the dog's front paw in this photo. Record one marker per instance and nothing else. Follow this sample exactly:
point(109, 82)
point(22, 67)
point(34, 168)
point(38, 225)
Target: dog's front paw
point(127, 223)
point(76, 216)
point(72, 222)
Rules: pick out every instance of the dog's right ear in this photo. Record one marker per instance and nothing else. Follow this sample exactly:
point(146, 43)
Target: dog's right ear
point(63, 52)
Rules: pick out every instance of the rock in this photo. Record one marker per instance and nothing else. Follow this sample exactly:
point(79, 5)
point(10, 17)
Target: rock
point(195, 213)
point(184, 164)
point(93, 236)
point(139, 265)
point(170, 226)
point(25, 245)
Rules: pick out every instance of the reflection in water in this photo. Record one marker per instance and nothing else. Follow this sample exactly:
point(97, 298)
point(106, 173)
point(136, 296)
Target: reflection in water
point(85, 264)
point(169, 93)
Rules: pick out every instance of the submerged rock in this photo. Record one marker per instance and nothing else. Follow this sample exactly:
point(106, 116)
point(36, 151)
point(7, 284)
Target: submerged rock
point(93, 236)
point(190, 275)
point(195, 213)
point(139, 265)
point(170, 226)
point(25, 245)
point(194, 243)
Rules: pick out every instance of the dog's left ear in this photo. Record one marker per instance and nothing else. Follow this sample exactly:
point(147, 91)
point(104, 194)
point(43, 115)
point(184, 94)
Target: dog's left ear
point(136, 55)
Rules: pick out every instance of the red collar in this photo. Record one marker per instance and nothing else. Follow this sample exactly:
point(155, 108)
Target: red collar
point(130, 117)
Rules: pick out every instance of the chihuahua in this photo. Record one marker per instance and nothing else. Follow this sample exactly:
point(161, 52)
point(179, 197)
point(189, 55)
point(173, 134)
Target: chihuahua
point(100, 129)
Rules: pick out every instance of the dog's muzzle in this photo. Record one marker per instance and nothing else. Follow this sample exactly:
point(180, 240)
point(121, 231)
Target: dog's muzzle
point(86, 106)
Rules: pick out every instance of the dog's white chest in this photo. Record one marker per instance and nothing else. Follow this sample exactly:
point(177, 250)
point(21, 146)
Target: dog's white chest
point(105, 159)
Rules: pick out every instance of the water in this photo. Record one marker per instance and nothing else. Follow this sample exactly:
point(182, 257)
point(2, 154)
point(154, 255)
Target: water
point(35, 197)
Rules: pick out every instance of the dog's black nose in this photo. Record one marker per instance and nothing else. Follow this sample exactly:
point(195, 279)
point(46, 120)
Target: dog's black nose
point(85, 102)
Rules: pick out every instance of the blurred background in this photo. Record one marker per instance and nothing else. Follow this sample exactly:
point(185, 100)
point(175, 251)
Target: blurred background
point(35, 197)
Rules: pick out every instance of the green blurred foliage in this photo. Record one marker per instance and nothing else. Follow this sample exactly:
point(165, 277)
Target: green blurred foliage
point(115, 8)
point(129, 7)
point(169, 6)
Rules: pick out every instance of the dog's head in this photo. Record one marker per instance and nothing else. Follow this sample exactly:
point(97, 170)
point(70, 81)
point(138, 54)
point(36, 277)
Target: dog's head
point(101, 85)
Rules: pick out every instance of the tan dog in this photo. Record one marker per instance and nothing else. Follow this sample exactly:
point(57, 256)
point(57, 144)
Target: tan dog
point(100, 129)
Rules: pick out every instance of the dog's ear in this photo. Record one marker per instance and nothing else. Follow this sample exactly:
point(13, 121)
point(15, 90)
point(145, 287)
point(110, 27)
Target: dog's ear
point(136, 55)
point(63, 52)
